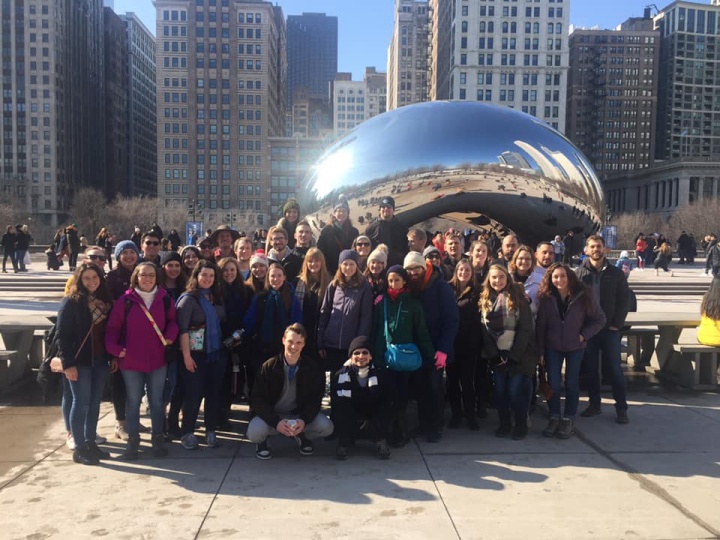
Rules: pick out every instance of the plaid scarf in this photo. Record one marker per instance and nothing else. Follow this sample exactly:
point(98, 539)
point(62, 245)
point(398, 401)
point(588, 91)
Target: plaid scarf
point(500, 323)
point(98, 309)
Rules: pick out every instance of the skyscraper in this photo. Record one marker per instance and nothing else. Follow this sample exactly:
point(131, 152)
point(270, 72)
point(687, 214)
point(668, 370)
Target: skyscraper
point(312, 53)
point(141, 111)
point(353, 102)
point(221, 94)
point(513, 54)
point(612, 95)
point(689, 101)
point(407, 69)
point(52, 141)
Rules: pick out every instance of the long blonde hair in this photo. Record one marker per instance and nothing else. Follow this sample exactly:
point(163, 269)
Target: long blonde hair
point(306, 276)
point(514, 292)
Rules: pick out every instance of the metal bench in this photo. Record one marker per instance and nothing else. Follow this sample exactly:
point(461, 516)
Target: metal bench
point(703, 360)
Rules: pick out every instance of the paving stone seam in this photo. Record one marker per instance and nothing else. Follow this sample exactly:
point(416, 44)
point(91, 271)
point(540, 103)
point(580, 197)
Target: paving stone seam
point(437, 490)
point(648, 485)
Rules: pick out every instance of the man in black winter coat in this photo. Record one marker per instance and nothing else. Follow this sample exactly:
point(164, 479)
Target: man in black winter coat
point(389, 231)
point(610, 287)
point(287, 396)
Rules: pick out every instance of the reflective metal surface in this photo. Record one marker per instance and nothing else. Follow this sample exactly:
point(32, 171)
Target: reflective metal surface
point(471, 162)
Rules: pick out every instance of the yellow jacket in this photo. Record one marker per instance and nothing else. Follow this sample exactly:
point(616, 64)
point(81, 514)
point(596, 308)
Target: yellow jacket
point(709, 331)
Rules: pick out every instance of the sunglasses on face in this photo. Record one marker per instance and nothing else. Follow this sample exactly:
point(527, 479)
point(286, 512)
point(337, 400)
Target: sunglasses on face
point(151, 243)
point(101, 258)
point(435, 256)
point(362, 244)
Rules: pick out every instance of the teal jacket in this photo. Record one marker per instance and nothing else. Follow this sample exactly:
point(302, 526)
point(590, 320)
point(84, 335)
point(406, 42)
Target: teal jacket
point(409, 327)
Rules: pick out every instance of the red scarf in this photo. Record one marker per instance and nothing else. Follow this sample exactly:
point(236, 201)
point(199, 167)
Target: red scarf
point(393, 294)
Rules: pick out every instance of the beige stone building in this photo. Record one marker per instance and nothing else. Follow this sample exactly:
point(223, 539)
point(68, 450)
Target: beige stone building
point(407, 70)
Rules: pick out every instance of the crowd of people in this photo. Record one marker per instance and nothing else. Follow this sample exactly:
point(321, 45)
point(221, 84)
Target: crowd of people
point(385, 317)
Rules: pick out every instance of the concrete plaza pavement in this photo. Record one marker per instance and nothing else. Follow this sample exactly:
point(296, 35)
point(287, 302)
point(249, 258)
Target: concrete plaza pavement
point(656, 478)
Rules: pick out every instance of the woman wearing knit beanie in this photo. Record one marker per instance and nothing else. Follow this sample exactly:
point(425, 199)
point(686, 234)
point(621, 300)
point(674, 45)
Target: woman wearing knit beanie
point(362, 245)
point(346, 313)
point(405, 318)
point(375, 272)
point(290, 219)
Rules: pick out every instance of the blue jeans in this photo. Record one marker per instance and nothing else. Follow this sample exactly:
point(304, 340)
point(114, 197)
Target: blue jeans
point(205, 382)
point(87, 393)
point(20, 258)
point(512, 391)
point(607, 341)
point(135, 382)
point(553, 367)
point(67, 401)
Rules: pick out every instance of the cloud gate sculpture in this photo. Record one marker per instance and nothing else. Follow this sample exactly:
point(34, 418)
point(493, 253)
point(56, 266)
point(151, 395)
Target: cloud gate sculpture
point(480, 165)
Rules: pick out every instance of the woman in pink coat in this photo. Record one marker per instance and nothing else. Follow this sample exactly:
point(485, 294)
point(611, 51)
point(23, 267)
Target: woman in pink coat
point(142, 324)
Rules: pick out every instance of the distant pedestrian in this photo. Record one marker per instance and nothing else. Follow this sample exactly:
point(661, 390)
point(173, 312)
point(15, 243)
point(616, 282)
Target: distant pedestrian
point(9, 241)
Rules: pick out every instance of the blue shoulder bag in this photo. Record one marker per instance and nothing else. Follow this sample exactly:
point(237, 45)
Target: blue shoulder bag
point(400, 356)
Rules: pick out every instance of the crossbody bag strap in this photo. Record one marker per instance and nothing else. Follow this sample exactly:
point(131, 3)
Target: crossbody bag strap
point(154, 325)
point(83, 341)
point(397, 318)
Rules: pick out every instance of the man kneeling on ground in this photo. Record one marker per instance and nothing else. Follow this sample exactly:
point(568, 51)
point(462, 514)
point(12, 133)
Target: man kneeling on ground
point(287, 396)
point(362, 410)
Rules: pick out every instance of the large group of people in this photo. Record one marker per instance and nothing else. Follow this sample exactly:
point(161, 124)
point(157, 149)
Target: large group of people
point(372, 321)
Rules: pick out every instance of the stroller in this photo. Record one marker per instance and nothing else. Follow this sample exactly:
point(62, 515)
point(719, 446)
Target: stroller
point(53, 261)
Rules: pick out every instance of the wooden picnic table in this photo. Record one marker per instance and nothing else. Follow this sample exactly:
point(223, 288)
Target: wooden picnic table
point(670, 326)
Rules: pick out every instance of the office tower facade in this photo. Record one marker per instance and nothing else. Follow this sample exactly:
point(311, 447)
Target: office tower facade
point(612, 95)
point(141, 110)
point(290, 160)
point(221, 76)
point(52, 141)
point(116, 104)
point(312, 53)
point(689, 101)
point(407, 70)
point(353, 102)
point(311, 115)
point(510, 53)
point(375, 92)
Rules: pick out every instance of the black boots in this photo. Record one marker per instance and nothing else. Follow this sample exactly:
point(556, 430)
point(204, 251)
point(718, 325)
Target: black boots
point(520, 430)
point(505, 427)
point(158, 446)
point(131, 450)
point(84, 455)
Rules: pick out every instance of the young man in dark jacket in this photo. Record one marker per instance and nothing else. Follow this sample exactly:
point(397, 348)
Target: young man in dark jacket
point(389, 231)
point(362, 401)
point(610, 287)
point(287, 396)
point(442, 319)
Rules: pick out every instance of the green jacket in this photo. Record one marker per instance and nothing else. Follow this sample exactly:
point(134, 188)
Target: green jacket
point(410, 327)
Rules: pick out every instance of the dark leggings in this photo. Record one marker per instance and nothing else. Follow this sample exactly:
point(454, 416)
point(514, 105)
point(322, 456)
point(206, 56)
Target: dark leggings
point(9, 255)
point(119, 395)
point(461, 384)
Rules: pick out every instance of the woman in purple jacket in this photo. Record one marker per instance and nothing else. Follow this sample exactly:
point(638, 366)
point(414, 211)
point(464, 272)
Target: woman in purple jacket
point(346, 313)
point(141, 325)
point(568, 316)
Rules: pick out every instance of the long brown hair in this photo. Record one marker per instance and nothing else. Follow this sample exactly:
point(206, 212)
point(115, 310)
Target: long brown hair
point(78, 292)
point(458, 287)
point(192, 284)
point(512, 266)
point(514, 292)
point(354, 282)
point(575, 286)
point(306, 276)
point(285, 290)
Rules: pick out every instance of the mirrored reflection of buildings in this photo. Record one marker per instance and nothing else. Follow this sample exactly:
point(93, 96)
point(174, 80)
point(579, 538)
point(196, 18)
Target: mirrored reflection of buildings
point(688, 126)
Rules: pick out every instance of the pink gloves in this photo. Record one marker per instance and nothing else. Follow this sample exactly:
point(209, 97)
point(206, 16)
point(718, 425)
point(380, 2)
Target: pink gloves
point(440, 360)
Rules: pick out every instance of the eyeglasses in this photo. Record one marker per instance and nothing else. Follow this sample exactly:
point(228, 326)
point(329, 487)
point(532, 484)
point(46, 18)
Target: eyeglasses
point(433, 256)
point(362, 244)
point(361, 352)
point(151, 243)
point(101, 258)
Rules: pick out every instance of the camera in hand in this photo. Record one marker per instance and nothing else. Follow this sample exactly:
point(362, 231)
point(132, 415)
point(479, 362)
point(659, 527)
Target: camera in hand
point(234, 340)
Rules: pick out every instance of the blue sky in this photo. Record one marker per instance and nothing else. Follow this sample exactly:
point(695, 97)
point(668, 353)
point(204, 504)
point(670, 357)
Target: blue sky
point(365, 27)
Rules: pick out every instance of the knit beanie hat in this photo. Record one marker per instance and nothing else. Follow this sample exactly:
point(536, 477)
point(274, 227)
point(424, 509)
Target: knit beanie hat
point(430, 249)
point(413, 259)
point(361, 238)
point(192, 248)
point(399, 270)
point(291, 204)
point(380, 254)
point(342, 203)
point(348, 254)
point(360, 342)
point(168, 256)
point(126, 244)
point(259, 258)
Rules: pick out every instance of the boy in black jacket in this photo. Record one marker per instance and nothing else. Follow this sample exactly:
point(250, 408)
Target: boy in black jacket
point(362, 406)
